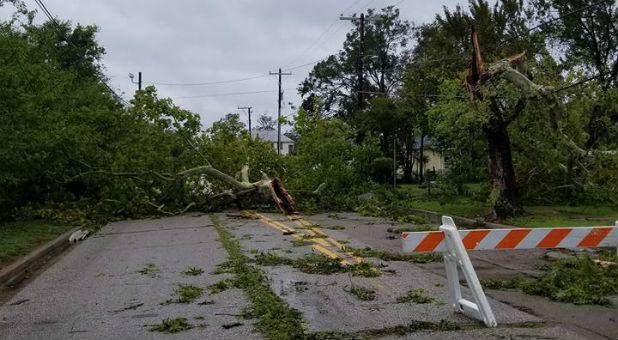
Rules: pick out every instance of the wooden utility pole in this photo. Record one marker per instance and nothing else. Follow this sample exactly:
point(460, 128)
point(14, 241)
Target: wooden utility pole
point(248, 108)
point(361, 63)
point(279, 107)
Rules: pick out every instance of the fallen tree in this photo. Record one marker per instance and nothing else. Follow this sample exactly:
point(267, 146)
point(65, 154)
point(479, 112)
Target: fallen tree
point(265, 189)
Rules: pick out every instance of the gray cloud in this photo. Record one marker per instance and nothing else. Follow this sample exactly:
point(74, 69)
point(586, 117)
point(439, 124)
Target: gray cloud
point(186, 41)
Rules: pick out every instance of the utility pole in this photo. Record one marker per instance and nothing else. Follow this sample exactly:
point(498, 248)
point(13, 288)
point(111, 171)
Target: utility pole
point(139, 79)
point(248, 108)
point(395, 161)
point(360, 87)
point(279, 107)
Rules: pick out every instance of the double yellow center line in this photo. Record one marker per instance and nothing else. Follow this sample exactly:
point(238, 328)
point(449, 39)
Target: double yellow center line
point(319, 239)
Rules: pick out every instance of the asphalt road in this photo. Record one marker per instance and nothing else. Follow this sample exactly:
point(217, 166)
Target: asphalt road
point(114, 285)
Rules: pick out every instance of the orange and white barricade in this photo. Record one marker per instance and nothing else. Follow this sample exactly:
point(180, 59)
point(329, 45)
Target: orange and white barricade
point(455, 243)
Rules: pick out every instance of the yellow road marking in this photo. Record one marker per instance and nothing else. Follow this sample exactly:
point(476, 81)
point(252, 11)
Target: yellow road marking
point(311, 230)
point(376, 283)
point(330, 254)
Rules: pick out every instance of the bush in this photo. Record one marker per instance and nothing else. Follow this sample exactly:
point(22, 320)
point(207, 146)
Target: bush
point(382, 169)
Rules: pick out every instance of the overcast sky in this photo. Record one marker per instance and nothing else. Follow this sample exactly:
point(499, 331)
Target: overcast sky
point(185, 41)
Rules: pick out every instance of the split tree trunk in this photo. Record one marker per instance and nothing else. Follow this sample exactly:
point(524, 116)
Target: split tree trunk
point(504, 196)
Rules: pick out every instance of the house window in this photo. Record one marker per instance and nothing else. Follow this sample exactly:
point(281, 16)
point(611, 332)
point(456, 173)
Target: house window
point(291, 149)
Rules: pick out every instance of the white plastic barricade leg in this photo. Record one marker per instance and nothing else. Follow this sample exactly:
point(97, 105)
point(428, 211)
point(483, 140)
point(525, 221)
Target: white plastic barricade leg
point(455, 244)
point(456, 257)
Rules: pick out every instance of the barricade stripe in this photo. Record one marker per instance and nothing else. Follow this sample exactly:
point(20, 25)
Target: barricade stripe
point(512, 239)
point(553, 238)
point(431, 241)
point(595, 237)
point(474, 237)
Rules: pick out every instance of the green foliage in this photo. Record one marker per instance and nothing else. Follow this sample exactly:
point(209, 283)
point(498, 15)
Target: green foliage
point(579, 281)
point(327, 154)
point(172, 325)
point(382, 169)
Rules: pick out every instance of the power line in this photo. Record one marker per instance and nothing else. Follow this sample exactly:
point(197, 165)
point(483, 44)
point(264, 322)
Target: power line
point(212, 82)
point(57, 27)
point(224, 94)
point(316, 43)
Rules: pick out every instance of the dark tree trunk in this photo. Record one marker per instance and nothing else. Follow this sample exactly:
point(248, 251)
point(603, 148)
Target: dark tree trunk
point(420, 158)
point(504, 197)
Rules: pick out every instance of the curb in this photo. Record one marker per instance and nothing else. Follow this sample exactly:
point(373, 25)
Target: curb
point(17, 271)
point(461, 221)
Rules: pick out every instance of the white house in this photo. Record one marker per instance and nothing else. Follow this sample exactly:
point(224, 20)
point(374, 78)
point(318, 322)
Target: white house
point(270, 135)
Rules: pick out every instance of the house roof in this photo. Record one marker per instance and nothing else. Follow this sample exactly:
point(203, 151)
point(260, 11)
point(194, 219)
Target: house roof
point(269, 136)
point(428, 142)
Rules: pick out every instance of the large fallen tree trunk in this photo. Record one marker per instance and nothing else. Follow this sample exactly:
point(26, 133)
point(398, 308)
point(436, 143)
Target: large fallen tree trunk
point(266, 189)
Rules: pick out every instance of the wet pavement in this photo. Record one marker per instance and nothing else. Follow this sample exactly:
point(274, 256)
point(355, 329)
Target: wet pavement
point(96, 290)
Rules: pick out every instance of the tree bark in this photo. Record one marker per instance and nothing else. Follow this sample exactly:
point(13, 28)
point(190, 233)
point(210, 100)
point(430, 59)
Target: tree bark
point(505, 196)
point(420, 158)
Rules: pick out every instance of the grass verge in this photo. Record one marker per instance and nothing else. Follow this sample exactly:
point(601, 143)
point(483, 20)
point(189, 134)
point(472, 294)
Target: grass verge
point(20, 237)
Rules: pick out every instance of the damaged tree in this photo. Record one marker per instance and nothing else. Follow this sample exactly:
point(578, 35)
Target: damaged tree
point(505, 196)
point(264, 189)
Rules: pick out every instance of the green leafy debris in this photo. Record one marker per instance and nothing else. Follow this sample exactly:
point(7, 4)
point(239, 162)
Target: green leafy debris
point(172, 325)
point(150, 269)
point(277, 320)
point(363, 293)
point(417, 296)
point(193, 271)
point(385, 255)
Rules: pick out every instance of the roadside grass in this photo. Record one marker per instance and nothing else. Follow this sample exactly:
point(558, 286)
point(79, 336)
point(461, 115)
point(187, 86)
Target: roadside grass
point(578, 280)
point(172, 325)
point(565, 216)
point(422, 227)
point(20, 237)
point(471, 206)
